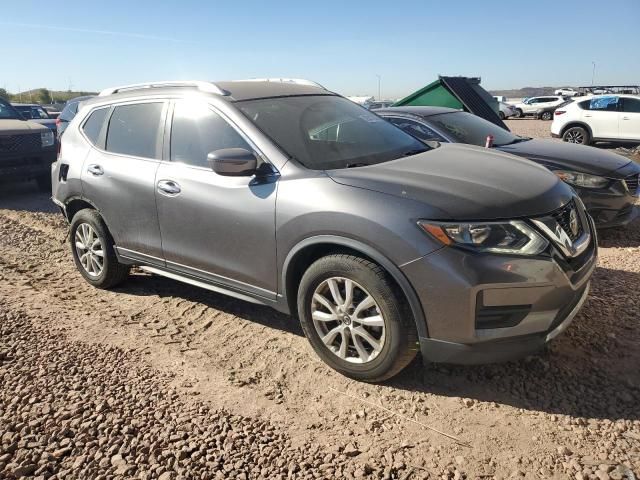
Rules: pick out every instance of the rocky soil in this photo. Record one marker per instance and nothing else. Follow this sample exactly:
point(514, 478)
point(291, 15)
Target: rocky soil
point(161, 380)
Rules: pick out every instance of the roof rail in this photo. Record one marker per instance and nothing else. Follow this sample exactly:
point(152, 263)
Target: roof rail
point(297, 81)
point(203, 86)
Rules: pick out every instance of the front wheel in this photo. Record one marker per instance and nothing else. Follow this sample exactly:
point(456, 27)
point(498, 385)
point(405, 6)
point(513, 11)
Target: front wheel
point(502, 115)
point(356, 318)
point(576, 135)
point(93, 252)
point(519, 113)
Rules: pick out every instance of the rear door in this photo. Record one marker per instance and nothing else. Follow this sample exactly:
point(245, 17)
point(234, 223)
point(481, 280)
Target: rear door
point(218, 228)
point(602, 114)
point(119, 176)
point(629, 122)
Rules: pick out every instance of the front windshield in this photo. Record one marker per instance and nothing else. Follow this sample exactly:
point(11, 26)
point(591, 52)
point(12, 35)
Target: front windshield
point(7, 112)
point(326, 131)
point(467, 128)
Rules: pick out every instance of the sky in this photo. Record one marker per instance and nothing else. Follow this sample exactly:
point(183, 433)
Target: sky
point(345, 45)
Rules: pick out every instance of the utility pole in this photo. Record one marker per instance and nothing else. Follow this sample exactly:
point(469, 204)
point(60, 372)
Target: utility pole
point(379, 80)
point(593, 73)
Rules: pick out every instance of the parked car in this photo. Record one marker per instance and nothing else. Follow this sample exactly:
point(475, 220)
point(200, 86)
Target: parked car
point(600, 118)
point(500, 98)
point(35, 113)
point(506, 111)
point(52, 111)
point(567, 92)
point(68, 112)
point(288, 195)
point(379, 104)
point(27, 149)
point(538, 106)
point(606, 182)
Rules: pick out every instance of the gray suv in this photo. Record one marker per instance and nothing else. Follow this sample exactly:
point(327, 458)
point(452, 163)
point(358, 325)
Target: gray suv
point(285, 194)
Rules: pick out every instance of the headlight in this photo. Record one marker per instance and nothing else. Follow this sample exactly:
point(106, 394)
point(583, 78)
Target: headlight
point(46, 138)
point(581, 179)
point(515, 237)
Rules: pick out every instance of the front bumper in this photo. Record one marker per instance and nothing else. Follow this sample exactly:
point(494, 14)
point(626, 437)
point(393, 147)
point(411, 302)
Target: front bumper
point(484, 308)
point(613, 207)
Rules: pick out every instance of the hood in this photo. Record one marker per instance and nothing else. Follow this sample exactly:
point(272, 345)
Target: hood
point(13, 127)
point(569, 156)
point(47, 122)
point(464, 182)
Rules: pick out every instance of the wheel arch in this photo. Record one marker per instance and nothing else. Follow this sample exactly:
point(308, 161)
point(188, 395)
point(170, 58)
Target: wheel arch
point(577, 123)
point(309, 250)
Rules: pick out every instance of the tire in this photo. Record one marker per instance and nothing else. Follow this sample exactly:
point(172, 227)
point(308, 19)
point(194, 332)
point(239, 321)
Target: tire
point(546, 116)
point(578, 135)
point(519, 113)
point(502, 116)
point(395, 331)
point(112, 272)
point(44, 183)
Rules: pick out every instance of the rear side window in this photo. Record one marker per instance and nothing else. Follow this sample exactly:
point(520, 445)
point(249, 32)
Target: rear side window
point(134, 129)
point(93, 125)
point(69, 111)
point(602, 104)
point(196, 131)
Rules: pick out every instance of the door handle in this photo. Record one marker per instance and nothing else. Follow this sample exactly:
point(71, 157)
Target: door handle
point(168, 187)
point(96, 170)
point(625, 118)
point(588, 116)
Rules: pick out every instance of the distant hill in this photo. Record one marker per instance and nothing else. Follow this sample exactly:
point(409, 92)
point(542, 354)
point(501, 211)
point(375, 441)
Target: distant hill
point(42, 96)
point(524, 92)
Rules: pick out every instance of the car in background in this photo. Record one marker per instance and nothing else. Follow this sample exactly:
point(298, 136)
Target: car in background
point(52, 110)
point(500, 98)
point(68, 113)
point(27, 149)
point(506, 111)
point(379, 104)
point(567, 92)
point(606, 182)
point(35, 113)
point(600, 118)
point(540, 107)
point(378, 243)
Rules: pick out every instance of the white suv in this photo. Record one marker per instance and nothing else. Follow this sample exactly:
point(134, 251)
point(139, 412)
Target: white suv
point(537, 105)
point(598, 118)
point(567, 92)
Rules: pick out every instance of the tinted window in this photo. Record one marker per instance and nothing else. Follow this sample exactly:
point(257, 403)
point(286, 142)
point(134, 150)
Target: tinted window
point(603, 104)
point(196, 131)
point(631, 105)
point(24, 111)
point(133, 129)
point(93, 125)
point(327, 131)
point(69, 111)
point(417, 129)
point(8, 112)
point(467, 128)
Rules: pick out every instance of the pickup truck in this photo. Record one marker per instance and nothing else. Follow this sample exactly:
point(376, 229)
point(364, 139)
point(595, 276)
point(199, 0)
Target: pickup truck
point(27, 149)
point(36, 113)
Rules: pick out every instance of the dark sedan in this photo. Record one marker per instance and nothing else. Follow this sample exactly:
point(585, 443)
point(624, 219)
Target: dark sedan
point(606, 182)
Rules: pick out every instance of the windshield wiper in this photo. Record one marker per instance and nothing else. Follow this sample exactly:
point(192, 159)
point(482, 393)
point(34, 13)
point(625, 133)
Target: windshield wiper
point(415, 152)
point(357, 164)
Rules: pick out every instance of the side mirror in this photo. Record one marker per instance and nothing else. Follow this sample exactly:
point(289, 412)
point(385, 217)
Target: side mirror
point(233, 162)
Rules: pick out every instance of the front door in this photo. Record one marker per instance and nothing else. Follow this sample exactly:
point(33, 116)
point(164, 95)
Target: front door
point(215, 227)
point(630, 119)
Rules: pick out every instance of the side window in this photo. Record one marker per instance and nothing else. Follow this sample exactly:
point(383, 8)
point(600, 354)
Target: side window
point(603, 104)
point(631, 105)
point(133, 130)
point(93, 125)
point(196, 131)
point(416, 129)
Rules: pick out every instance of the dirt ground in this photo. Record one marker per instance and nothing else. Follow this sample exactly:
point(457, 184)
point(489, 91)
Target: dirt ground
point(157, 379)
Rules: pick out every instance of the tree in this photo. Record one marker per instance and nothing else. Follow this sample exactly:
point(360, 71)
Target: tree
point(4, 94)
point(41, 95)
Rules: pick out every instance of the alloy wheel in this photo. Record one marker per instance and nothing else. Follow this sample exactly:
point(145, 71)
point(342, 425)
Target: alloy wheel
point(348, 320)
point(89, 250)
point(574, 136)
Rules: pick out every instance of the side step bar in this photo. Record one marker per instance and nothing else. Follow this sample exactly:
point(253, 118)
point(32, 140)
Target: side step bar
point(198, 283)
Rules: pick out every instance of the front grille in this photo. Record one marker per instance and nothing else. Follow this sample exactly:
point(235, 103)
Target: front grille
point(30, 142)
point(563, 217)
point(632, 183)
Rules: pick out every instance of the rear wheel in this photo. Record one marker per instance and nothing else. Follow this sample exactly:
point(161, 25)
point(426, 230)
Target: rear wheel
point(93, 252)
point(546, 116)
point(355, 318)
point(576, 135)
point(502, 116)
